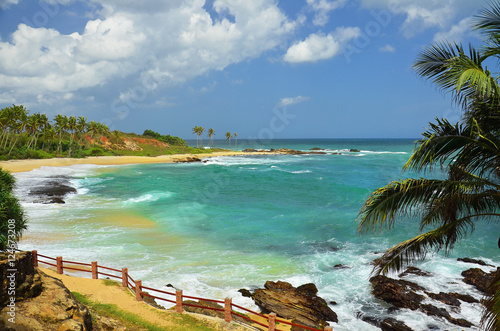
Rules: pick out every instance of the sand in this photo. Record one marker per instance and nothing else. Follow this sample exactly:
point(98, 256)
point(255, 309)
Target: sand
point(28, 165)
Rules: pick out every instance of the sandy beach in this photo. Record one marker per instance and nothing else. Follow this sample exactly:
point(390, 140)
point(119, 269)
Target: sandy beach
point(28, 165)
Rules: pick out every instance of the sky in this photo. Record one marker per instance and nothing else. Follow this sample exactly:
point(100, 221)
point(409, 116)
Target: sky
point(264, 69)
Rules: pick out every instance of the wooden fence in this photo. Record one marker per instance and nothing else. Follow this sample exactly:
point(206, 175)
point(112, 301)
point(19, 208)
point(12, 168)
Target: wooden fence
point(175, 298)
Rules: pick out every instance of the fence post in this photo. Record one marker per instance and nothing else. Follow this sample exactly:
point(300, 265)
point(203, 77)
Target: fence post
point(124, 277)
point(227, 309)
point(138, 291)
point(328, 328)
point(178, 301)
point(59, 264)
point(95, 273)
point(34, 255)
point(272, 322)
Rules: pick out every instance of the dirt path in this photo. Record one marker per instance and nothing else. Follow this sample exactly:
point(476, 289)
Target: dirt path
point(96, 291)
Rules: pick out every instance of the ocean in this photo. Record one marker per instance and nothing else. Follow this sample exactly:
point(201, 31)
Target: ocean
point(214, 227)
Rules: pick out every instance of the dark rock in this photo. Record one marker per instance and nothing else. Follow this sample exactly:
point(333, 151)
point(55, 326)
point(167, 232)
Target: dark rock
point(151, 301)
point(53, 189)
point(246, 293)
point(55, 200)
point(170, 285)
point(354, 150)
point(301, 305)
point(441, 312)
point(469, 260)
point(445, 298)
point(464, 297)
point(415, 271)
point(315, 149)
point(188, 160)
point(320, 153)
point(333, 303)
point(478, 278)
point(341, 266)
point(400, 293)
point(387, 324)
point(288, 151)
point(250, 150)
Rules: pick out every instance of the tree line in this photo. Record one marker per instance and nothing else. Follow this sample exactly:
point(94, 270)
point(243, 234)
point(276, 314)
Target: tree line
point(25, 135)
point(198, 130)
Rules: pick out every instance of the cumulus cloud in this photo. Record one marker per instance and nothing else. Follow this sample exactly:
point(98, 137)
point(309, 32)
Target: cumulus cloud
point(291, 101)
point(456, 33)
point(171, 41)
point(424, 14)
point(322, 9)
point(387, 49)
point(318, 47)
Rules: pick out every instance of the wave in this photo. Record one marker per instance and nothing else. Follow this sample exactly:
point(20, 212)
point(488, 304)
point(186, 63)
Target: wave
point(148, 197)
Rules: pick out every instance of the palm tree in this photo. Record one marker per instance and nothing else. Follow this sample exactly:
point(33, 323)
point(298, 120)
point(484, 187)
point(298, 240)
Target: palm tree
point(81, 127)
point(228, 137)
point(117, 138)
point(72, 126)
point(211, 133)
point(236, 140)
point(49, 135)
point(198, 130)
point(469, 152)
point(60, 126)
point(93, 128)
point(18, 123)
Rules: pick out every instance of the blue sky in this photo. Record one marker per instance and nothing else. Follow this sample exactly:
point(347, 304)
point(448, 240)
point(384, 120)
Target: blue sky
point(261, 68)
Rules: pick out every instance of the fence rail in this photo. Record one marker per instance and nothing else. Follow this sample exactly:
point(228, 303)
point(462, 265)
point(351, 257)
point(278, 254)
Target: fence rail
point(137, 287)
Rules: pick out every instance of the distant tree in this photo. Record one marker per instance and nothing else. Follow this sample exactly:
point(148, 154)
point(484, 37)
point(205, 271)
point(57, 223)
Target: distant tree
point(236, 140)
point(228, 137)
point(211, 133)
point(198, 130)
point(12, 221)
point(61, 126)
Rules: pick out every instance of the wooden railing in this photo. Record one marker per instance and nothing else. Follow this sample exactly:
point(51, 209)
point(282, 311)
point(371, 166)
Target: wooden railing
point(176, 298)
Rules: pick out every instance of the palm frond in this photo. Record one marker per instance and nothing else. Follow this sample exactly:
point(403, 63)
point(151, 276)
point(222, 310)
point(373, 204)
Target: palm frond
point(491, 313)
point(415, 249)
point(487, 20)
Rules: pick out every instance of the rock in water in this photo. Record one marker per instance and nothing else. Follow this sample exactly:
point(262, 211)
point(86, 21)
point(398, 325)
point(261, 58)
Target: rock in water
point(478, 278)
point(301, 304)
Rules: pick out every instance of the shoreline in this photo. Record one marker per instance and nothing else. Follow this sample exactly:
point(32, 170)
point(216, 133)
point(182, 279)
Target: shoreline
point(25, 165)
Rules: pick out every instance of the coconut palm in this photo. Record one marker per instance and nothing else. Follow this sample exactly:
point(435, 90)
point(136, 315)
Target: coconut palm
point(61, 126)
point(236, 140)
point(18, 123)
point(81, 127)
point(198, 130)
point(228, 137)
point(468, 151)
point(211, 133)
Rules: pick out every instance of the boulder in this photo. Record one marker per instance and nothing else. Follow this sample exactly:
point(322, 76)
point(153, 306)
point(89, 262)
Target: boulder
point(55, 308)
point(415, 271)
point(478, 278)
point(469, 260)
point(387, 324)
point(401, 294)
point(301, 305)
point(53, 191)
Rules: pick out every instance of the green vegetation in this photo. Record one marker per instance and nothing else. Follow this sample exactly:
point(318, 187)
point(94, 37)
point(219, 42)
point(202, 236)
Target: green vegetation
point(12, 221)
point(25, 136)
point(172, 140)
point(180, 322)
point(198, 130)
point(468, 151)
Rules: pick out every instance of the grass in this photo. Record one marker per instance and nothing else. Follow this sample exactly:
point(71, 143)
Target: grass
point(180, 322)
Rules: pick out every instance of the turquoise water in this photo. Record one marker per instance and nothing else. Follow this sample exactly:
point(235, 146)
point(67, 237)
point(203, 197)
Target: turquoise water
point(212, 228)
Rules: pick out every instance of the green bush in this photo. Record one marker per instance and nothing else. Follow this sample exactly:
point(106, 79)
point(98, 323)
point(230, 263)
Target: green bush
point(12, 221)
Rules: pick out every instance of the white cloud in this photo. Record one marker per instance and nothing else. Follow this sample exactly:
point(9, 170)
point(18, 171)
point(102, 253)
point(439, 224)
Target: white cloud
point(171, 41)
point(318, 47)
point(456, 33)
point(6, 3)
point(291, 101)
point(424, 14)
point(387, 49)
point(323, 8)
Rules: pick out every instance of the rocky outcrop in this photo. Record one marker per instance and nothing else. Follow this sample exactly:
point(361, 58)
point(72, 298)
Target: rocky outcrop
point(402, 294)
point(469, 260)
point(42, 303)
point(479, 279)
point(52, 191)
point(301, 305)
point(415, 271)
point(18, 276)
point(387, 324)
point(187, 160)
